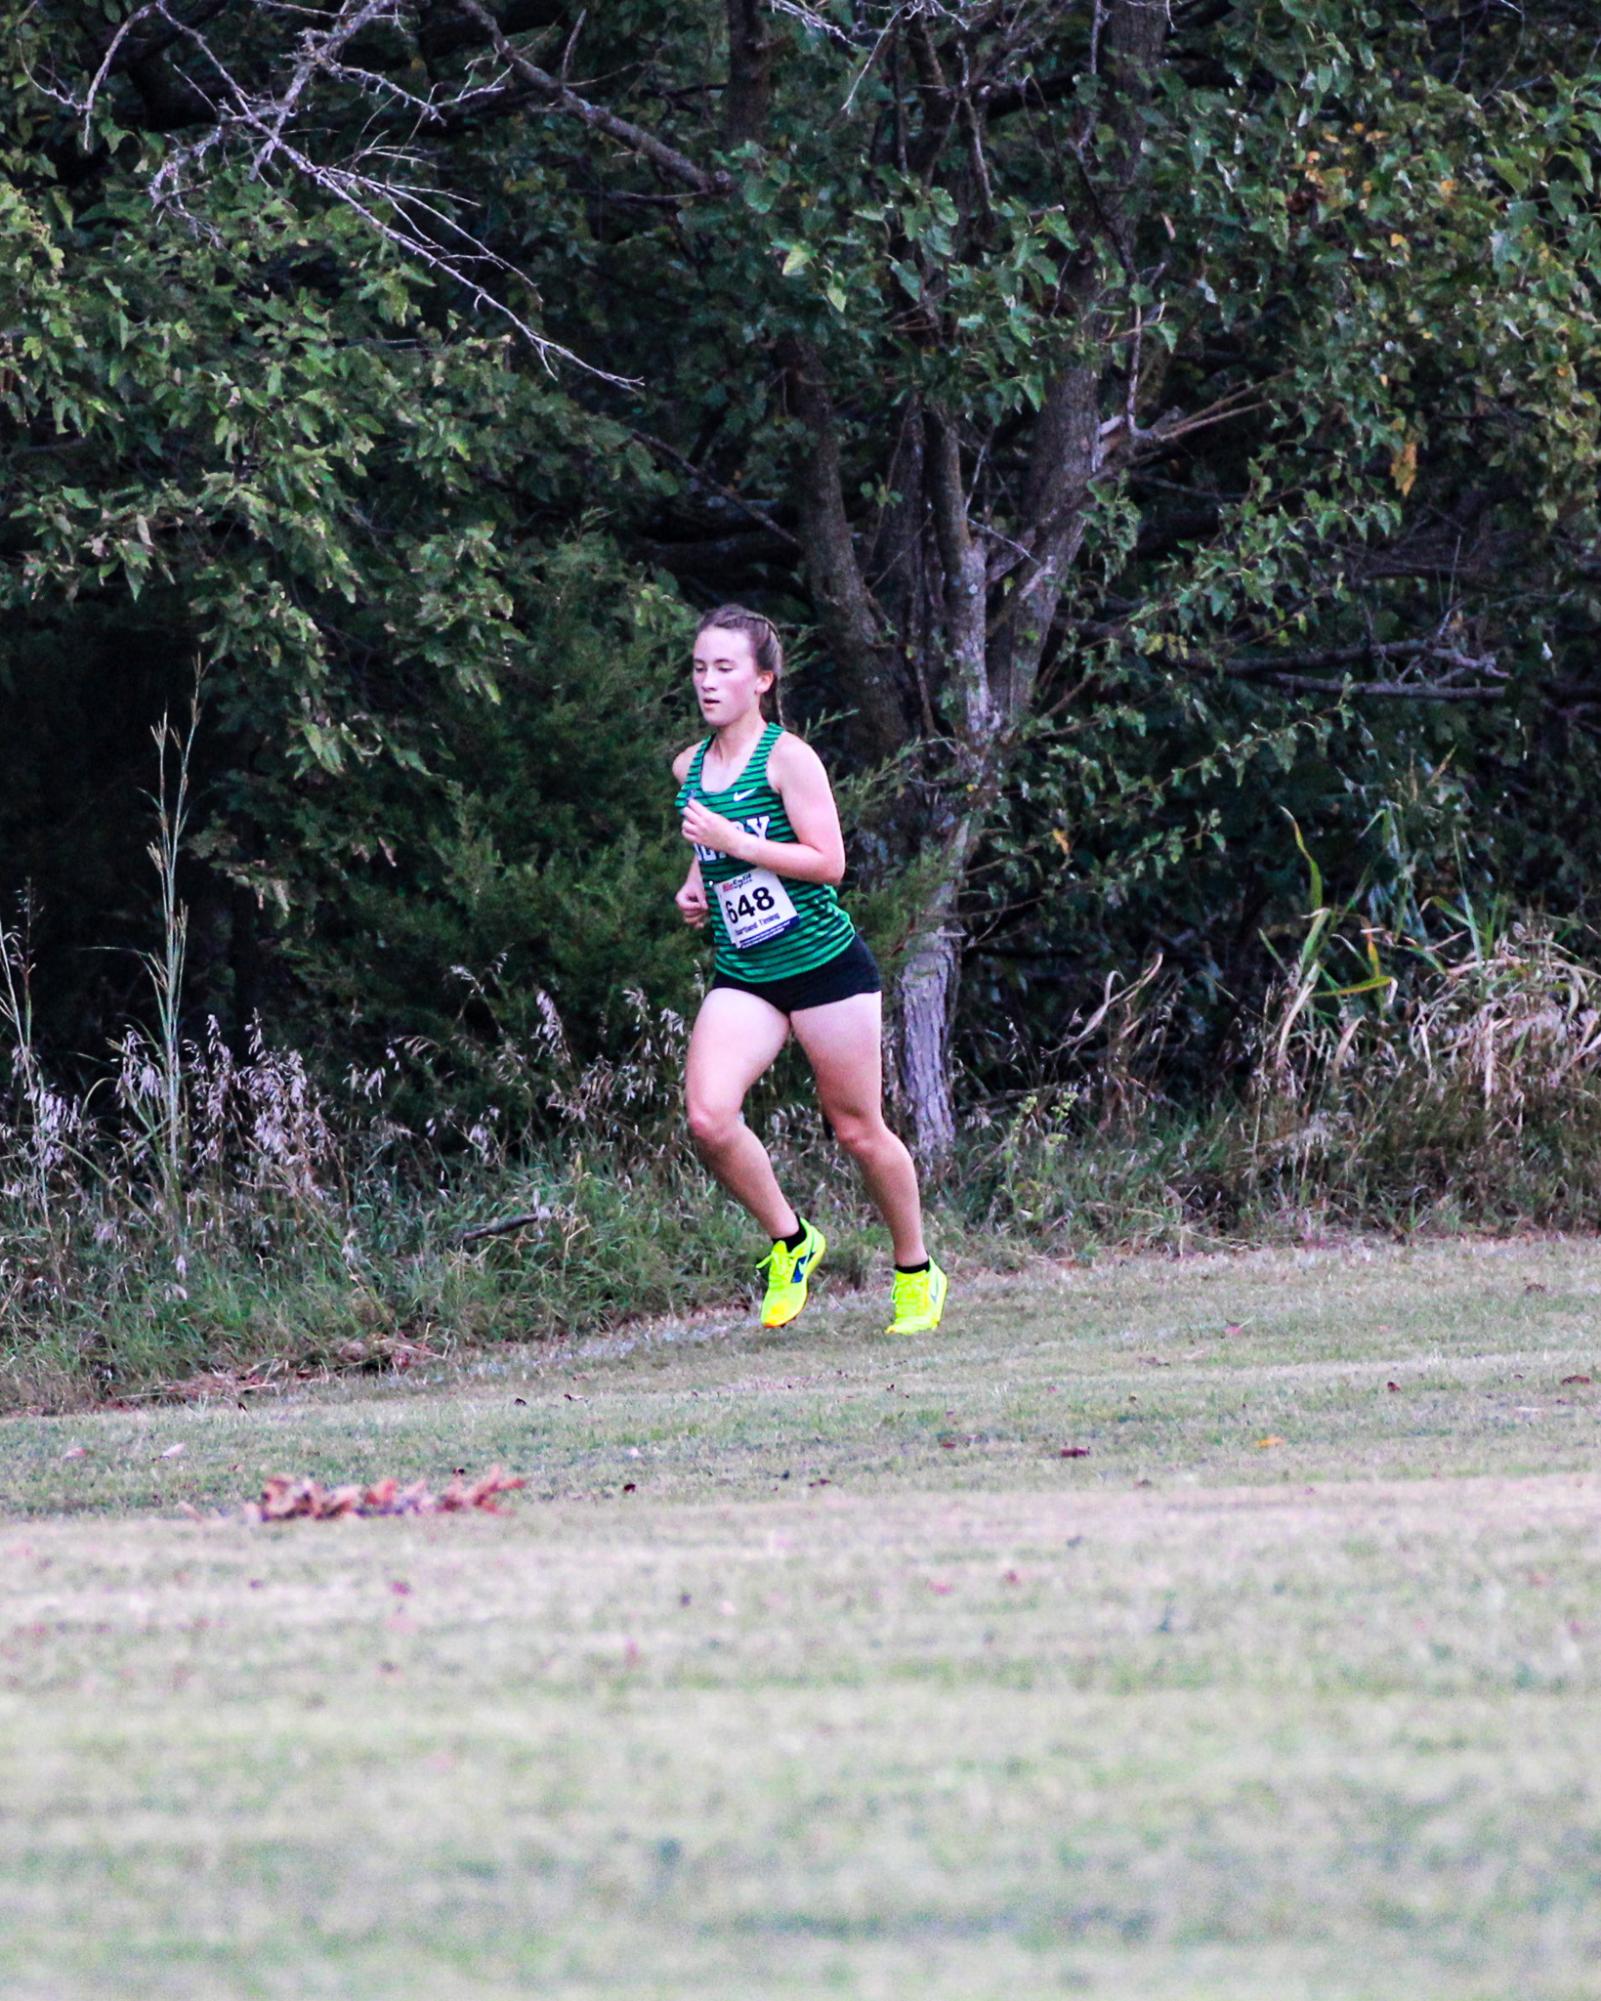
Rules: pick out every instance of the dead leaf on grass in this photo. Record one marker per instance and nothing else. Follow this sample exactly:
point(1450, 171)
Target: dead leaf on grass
point(1267, 1444)
point(284, 1499)
point(76, 1452)
point(212, 1385)
point(386, 1351)
point(172, 1451)
point(1074, 1452)
point(1577, 1379)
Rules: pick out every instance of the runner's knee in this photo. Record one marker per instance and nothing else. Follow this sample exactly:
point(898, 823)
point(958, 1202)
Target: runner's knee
point(860, 1133)
point(713, 1126)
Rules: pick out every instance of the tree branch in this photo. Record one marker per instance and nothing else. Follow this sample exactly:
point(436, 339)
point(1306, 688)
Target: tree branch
point(562, 97)
point(700, 477)
point(1350, 656)
point(849, 616)
point(1466, 677)
point(1410, 691)
point(963, 562)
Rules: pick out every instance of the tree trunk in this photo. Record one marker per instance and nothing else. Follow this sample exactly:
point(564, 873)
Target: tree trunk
point(994, 642)
point(849, 616)
point(968, 613)
point(926, 1001)
point(746, 104)
point(929, 982)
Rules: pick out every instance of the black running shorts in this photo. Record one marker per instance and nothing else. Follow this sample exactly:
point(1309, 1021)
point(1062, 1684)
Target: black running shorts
point(853, 971)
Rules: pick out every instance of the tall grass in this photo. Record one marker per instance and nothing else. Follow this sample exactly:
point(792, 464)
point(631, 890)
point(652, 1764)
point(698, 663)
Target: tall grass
point(211, 1218)
point(315, 1232)
point(1457, 1076)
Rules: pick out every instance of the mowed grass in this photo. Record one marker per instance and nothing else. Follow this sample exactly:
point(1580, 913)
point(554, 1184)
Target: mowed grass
point(810, 1666)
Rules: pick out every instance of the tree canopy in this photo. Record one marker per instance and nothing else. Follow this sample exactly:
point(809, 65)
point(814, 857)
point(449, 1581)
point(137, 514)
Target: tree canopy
point(1169, 431)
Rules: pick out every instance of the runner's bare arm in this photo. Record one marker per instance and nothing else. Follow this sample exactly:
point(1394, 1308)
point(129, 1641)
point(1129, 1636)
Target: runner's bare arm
point(691, 896)
point(818, 852)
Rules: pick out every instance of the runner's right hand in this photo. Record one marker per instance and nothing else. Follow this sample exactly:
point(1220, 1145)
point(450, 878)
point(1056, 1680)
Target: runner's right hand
point(691, 901)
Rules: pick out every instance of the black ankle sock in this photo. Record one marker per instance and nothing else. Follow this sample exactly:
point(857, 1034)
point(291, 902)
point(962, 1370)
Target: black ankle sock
point(794, 1243)
point(910, 1269)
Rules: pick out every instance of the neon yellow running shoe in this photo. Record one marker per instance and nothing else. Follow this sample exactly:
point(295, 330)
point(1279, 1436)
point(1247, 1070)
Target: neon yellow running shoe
point(788, 1274)
point(919, 1300)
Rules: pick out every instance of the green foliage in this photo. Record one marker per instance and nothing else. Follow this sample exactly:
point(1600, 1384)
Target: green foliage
point(1334, 282)
point(267, 448)
point(1393, 263)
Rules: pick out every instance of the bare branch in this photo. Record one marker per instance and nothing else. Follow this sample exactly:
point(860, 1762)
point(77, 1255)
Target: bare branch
point(679, 165)
point(108, 60)
point(810, 18)
point(414, 219)
point(1458, 675)
point(503, 1227)
point(703, 478)
point(1410, 691)
point(1350, 656)
point(317, 51)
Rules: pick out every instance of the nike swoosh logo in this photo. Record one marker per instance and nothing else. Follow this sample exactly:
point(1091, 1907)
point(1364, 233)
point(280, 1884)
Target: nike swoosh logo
point(741, 795)
point(800, 1270)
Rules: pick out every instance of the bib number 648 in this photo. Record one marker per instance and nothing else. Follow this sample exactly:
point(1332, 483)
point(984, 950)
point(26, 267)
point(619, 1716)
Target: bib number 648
point(755, 907)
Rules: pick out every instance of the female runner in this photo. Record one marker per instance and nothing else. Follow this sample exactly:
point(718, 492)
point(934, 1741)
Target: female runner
point(758, 811)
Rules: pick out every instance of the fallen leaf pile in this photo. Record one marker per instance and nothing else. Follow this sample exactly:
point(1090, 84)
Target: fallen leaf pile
point(286, 1500)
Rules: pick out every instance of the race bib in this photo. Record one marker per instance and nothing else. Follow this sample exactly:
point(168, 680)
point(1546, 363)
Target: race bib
point(755, 907)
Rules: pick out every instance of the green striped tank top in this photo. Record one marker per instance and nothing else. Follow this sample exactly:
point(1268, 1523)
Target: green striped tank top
point(820, 929)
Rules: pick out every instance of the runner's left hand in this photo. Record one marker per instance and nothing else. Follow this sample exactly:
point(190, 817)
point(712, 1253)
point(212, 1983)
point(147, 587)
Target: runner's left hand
point(706, 829)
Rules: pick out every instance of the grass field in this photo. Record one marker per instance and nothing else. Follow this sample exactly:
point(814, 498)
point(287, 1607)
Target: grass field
point(810, 1666)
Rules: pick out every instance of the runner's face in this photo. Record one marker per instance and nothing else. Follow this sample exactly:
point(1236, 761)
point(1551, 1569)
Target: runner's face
point(728, 683)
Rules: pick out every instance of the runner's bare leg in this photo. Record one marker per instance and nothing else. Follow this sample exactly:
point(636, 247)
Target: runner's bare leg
point(736, 1037)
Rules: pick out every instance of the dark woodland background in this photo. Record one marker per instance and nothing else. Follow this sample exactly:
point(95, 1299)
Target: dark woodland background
point(1168, 433)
